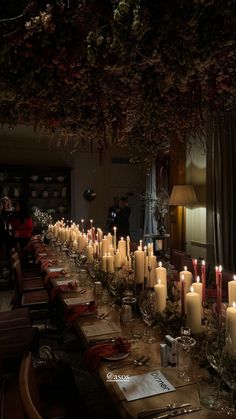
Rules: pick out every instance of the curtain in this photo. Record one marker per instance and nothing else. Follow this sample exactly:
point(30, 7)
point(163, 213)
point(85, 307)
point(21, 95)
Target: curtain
point(150, 224)
point(221, 190)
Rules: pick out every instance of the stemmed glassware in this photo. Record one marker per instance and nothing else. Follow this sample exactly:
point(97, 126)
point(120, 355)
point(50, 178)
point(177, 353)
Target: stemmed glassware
point(147, 308)
point(214, 346)
point(227, 368)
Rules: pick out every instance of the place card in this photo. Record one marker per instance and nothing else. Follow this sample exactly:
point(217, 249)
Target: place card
point(100, 328)
point(145, 385)
point(82, 299)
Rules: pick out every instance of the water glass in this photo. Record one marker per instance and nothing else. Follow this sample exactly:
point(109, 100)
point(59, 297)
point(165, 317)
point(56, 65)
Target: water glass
point(185, 345)
point(207, 389)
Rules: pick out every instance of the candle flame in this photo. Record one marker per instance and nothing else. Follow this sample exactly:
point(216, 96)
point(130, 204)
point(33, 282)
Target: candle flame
point(159, 281)
point(234, 304)
point(220, 268)
point(114, 228)
point(182, 277)
point(195, 260)
point(234, 277)
point(198, 279)
point(185, 268)
point(203, 263)
point(160, 264)
point(191, 289)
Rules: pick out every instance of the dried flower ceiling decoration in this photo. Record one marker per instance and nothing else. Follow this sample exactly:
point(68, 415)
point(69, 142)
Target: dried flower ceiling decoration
point(132, 72)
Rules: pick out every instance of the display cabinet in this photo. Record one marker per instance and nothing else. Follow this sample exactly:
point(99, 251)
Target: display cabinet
point(46, 188)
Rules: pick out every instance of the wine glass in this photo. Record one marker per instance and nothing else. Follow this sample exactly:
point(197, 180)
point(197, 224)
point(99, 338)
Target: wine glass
point(214, 347)
point(147, 308)
point(227, 368)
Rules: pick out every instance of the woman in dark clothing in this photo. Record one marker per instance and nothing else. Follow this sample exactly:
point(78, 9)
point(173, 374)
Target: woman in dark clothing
point(22, 223)
point(122, 220)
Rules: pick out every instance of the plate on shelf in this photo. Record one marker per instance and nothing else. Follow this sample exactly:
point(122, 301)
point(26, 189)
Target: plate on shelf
point(117, 357)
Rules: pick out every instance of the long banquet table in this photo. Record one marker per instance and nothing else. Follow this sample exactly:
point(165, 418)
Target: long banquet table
point(186, 392)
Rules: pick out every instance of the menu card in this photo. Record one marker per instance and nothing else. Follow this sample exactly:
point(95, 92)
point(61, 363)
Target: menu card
point(100, 328)
point(145, 385)
point(63, 282)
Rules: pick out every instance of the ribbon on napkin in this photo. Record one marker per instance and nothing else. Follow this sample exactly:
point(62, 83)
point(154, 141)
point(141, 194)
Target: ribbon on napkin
point(94, 354)
point(72, 313)
point(59, 289)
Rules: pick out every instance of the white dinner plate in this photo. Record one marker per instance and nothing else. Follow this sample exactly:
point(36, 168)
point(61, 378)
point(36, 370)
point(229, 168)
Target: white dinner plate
point(117, 357)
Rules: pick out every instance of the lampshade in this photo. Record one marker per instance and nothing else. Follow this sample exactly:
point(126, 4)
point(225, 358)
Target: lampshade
point(183, 195)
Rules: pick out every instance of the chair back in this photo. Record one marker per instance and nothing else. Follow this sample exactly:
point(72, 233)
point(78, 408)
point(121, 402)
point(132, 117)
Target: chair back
point(29, 389)
point(18, 275)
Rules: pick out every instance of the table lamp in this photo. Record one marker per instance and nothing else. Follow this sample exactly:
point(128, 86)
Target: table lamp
point(184, 196)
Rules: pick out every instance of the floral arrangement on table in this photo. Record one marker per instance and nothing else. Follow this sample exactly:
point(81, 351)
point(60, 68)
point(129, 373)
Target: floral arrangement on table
point(135, 73)
point(157, 204)
point(116, 283)
point(171, 321)
point(43, 218)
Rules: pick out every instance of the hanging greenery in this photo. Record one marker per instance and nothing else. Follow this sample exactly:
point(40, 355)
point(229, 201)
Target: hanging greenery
point(133, 72)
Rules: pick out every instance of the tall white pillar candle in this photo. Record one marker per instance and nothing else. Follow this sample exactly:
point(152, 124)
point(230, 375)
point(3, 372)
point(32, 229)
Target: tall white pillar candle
point(232, 291)
point(104, 263)
point(194, 311)
point(105, 246)
point(160, 297)
point(122, 249)
point(152, 264)
point(138, 266)
point(110, 263)
point(161, 275)
point(197, 287)
point(187, 278)
point(231, 325)
point(117, 260)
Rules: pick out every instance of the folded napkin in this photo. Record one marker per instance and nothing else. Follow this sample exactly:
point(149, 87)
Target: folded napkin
point(59, 289)
point(72, 313)
point(94, 354)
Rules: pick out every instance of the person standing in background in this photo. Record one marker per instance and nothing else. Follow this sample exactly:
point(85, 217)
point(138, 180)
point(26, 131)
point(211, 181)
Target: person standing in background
point(112, 214)
point(22, 224)
point(7, 211)
point(122, 219)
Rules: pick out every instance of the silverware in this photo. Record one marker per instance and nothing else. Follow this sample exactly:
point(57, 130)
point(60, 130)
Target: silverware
point(177, 412)
point(137, 362)
point(102, 316)
point(159, 410)
point(82, 291)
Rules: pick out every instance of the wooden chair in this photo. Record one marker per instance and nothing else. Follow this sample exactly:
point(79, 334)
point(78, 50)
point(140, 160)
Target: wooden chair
point(34, 300)
point(29, 389)
point(29, 274)
point(56, 406)
point(14, 319)
point(29, 284)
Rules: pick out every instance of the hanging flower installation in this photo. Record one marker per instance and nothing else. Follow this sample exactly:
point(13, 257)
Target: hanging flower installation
point(133, 72)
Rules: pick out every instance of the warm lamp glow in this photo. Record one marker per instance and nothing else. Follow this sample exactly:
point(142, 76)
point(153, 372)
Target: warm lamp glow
point(183, 195)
